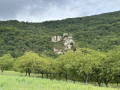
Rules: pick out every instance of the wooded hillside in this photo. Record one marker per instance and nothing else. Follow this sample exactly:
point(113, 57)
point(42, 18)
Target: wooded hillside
point(98, 32)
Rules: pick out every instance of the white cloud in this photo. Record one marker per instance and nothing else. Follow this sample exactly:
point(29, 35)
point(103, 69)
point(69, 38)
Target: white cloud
point(42, 10)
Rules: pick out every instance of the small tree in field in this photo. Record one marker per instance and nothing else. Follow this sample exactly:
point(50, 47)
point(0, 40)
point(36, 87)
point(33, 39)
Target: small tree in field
point(25, 62)
point(97, 67)
point(32, 62)
point(86, 59)
point(68, 65)
point(65, 64)
point(41, 65)
point(6, 62)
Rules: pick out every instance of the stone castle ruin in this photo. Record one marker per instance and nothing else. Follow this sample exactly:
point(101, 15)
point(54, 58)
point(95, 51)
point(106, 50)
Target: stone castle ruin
point(67, 40)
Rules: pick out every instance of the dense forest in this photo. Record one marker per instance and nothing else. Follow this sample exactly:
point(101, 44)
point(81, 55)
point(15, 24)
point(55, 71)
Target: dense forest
point(98, 32)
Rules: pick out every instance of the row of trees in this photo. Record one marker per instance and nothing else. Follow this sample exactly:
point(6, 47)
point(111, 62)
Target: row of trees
point(83, 64)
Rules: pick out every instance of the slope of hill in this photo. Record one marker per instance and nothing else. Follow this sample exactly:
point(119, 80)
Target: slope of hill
point(99, 32)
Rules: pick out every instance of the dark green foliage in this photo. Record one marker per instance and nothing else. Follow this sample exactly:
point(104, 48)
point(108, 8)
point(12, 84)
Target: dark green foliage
point(98, 32)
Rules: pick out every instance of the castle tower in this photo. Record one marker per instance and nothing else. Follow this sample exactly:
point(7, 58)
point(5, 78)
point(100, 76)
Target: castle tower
point(54, 39)
point(59, 38)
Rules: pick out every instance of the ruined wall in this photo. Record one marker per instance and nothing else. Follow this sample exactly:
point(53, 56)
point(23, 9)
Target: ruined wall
point(59, 38)
point(53, 38)
point(56, 38)
point(67, 40)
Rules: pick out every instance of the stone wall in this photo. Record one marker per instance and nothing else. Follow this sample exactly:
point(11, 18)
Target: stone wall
point(67, 40)
point(56, 38)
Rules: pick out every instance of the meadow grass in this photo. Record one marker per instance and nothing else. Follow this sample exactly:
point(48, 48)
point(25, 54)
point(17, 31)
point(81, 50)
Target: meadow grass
point(30, 83)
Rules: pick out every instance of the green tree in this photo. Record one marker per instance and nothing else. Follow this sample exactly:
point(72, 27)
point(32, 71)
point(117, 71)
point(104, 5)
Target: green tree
point(86, 59)
point(97, 67)
point(25, 62)
point(114, 58)
point(41, 65)
point(6, 62)
point(66, 65)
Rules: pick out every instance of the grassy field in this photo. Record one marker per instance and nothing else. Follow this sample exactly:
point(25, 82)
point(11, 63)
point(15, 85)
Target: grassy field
point(29, 83)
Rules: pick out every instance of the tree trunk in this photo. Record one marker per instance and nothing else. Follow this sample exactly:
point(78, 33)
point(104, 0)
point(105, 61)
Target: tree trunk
point(29, 74)
point(66, 76)
point(42, 75)
point(26, 73)
point(117, 83)
point(35, 75)
point(50, 74)
point(1, 70)
point(86, 82)
point(54, 75)
point(59, 75)
point(99, 81)
point(99, 84)
point(86, 78)
point(106, 82)
point(47, 76)
point(73, 80)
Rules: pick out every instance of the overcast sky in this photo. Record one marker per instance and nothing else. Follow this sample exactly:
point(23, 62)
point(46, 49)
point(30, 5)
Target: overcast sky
point(44, 10)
